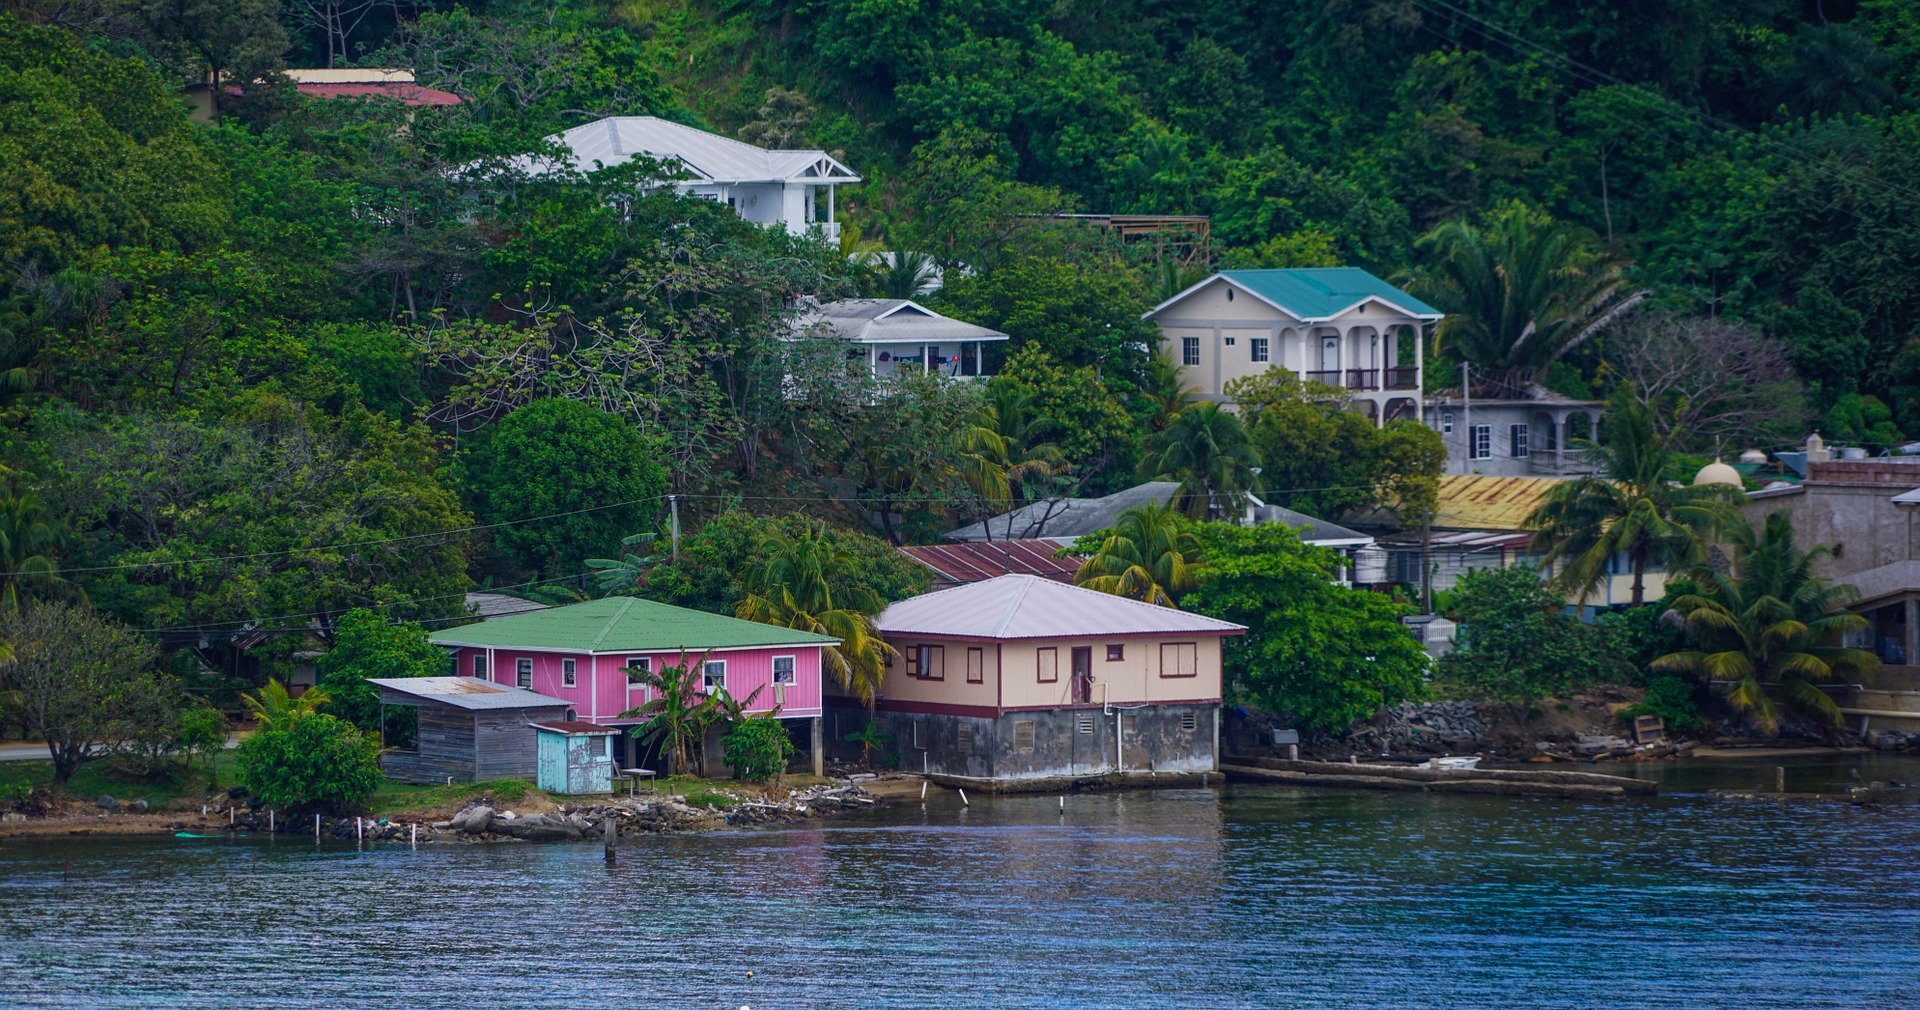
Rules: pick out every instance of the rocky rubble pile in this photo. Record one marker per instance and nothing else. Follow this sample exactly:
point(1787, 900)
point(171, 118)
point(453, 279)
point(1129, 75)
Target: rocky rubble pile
point(1893, 739)
point(1453, 726)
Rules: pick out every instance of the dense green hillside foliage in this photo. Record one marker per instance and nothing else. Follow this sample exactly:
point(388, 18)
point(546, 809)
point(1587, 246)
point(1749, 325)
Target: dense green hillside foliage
point(258, 372)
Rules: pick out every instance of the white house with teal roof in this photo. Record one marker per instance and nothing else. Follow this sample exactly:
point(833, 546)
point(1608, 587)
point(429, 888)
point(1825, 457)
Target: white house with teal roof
point(1341, 326)
point(581, 654)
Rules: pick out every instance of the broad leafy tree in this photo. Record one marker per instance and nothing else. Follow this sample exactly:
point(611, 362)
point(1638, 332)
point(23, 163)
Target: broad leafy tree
point(367, 646)
point(81, 684)
point(1518, 644)
point(1324, 655)
point(563, 456)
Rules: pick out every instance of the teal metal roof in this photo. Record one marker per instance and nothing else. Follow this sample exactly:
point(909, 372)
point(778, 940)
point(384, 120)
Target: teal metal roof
point(624, 624)
point(1324, 292)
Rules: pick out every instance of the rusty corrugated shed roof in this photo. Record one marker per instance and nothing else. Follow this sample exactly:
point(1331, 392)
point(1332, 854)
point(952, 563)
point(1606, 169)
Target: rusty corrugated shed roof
point(978, 561)
point(1474, 502)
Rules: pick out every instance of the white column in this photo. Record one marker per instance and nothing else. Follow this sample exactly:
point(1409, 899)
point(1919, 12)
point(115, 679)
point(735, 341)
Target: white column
point(830, 190)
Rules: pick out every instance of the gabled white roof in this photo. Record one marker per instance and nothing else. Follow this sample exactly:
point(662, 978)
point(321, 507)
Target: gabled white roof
point(889, 321)
point(1027, 606)
point(708, 157)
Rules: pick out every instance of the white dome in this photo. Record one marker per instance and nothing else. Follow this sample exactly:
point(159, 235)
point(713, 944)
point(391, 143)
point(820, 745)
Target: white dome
point(1753, 456)
point(1717, 472)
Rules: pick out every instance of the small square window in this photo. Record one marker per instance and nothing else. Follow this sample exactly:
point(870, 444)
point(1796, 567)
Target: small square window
point(567, 673)
point(1446, 422)
point(1189, 350)
point(480, 666)
point(1230, 341)
point(523, 673)
point(1259, 348)
point(1116, 653)
point(783, 669)
point(1481, 444)
point(713, 676)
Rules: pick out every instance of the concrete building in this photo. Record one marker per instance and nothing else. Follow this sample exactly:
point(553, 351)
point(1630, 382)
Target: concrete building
point(790, 189)
point(1340, 326)
point(1023, 682)
point(1868, 511)
point(1514, 437)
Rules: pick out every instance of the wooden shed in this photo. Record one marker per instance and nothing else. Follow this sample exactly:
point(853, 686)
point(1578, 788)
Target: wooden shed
point(470, 730)
point(576, 758)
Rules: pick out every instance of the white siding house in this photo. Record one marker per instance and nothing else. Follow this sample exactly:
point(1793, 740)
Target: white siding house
point(793, 189)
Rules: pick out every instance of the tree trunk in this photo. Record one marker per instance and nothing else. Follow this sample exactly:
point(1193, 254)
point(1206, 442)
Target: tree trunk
point(1639, 559)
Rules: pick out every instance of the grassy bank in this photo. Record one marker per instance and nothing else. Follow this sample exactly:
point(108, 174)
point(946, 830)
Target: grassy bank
point(174, 787)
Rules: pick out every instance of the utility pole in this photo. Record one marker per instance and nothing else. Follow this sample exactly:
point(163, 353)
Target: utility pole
point(673, 524)
point(1466, 414)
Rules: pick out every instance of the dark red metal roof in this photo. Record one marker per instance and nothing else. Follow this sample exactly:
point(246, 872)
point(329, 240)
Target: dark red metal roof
point(576, 727)
point(406, 91)
point(979, 560)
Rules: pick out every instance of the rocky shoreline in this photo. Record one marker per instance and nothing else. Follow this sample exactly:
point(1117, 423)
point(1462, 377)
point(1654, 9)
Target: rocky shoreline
point(480, 819)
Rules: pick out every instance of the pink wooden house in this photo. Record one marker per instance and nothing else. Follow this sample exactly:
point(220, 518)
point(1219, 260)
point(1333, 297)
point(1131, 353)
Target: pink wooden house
point(581, 654)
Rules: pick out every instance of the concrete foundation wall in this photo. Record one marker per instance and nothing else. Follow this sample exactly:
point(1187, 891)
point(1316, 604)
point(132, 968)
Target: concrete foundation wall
point(1052, 743)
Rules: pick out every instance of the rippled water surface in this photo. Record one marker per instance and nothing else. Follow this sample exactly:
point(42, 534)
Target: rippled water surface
point(1252, 896)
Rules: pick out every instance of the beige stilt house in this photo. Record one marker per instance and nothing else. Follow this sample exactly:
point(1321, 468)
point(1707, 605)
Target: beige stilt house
point(1024, 681)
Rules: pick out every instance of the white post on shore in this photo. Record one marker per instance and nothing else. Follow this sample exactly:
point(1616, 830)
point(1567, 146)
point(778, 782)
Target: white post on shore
point(229, 817)
point(414, 839)
point(1063, 804)
point(923, 790)
point(316, 827)
point(270, 824)
point(963, 799)
point(359, 833)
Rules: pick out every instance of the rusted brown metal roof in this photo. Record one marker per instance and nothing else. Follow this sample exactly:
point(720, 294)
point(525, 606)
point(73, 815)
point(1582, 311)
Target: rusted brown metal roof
point(1474, 502)
point(576, 728)
point(977, 561)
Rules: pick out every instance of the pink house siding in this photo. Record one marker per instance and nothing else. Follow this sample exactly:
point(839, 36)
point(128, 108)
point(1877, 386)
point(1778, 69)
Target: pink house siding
point(600, 692)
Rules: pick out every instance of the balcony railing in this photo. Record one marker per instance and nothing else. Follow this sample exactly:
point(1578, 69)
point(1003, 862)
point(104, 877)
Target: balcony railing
point(1329, 378)
point(1363, 378)
point(1403, 377)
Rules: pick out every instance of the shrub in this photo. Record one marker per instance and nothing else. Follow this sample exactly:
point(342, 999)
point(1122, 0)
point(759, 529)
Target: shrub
point(1518, 644)
point(758, 748)
point(1670, 698)
point(317, 763)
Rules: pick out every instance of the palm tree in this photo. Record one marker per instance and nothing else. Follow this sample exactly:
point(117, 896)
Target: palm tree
point(899, 274)
point(1770, 628)
point(1001, 451)
point(1150, 554)
point(1166, 385)
point(27, 545)
point(622, 574)
point(1633, 509)
point(677, 713)
point(1520, 290)
point(808, 584)
point(1207, 450)
point(274, 708)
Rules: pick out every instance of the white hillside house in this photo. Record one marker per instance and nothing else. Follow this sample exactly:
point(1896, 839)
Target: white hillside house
point(792, 189)
point(1340, 326)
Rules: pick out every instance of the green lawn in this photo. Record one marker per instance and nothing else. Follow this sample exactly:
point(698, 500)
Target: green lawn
point(179, 789)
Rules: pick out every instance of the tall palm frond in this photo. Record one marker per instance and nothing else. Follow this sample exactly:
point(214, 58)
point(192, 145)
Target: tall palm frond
point(1632, 509)
point(1769, 632)
point(1520, 290)
point(274, 708)
point(1207, 450)
point(622, 574)
point(1151, 554)
point(808, 584)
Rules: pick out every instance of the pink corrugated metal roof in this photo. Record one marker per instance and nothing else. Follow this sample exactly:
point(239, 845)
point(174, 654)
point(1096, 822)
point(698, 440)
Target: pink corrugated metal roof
point(1027, 606)
point(984, 559)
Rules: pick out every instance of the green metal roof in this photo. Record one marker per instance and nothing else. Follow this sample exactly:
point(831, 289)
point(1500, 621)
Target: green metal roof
point(624, 624)
point(1324, 292)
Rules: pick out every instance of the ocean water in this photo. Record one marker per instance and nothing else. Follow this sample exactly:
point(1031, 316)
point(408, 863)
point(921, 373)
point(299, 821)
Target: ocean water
point(1248, 896)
